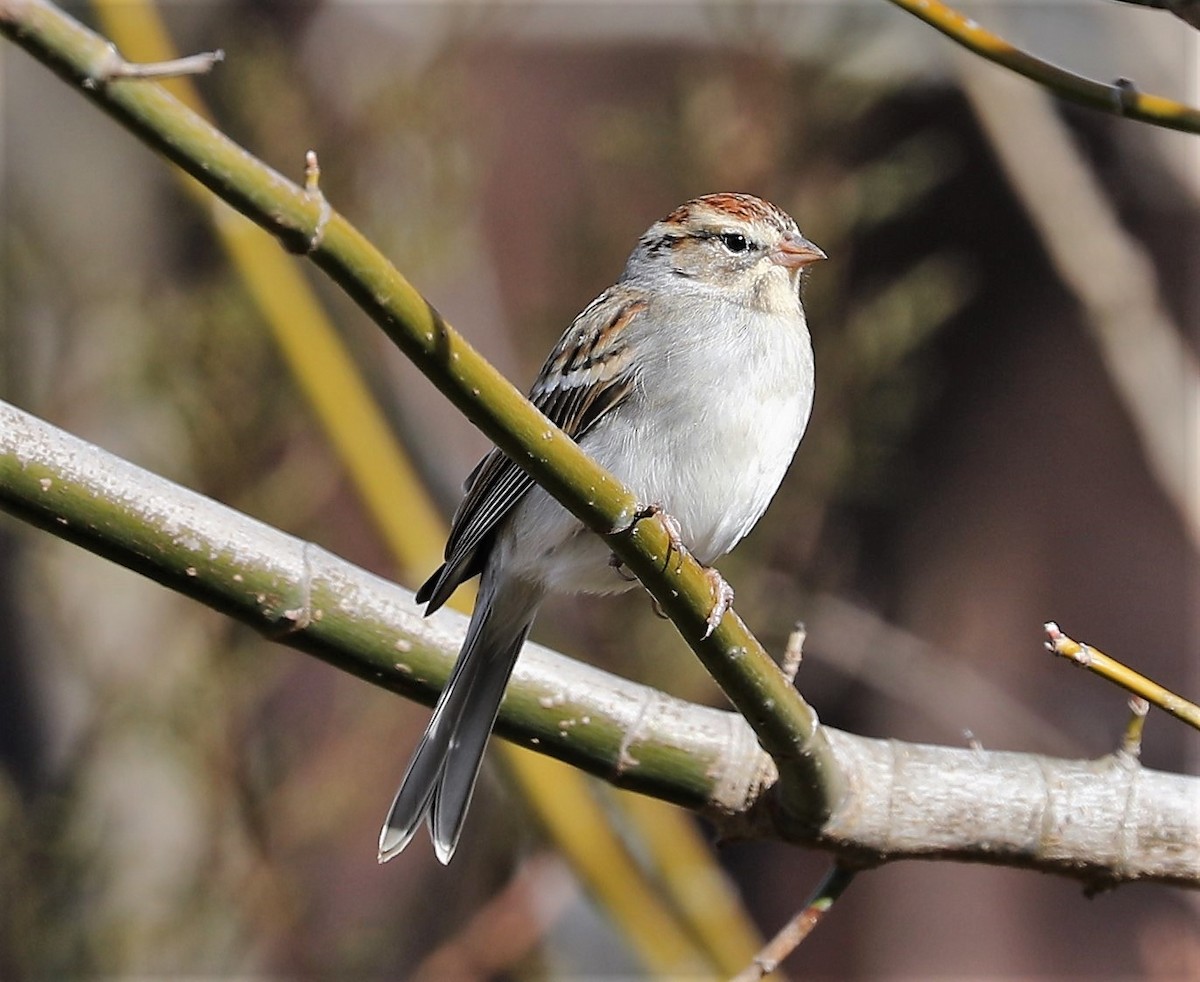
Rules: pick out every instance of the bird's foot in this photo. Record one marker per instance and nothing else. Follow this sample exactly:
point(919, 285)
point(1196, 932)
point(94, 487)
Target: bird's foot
point(722, 591)
point(722, 599)
point(622, 571)
point(674, 532)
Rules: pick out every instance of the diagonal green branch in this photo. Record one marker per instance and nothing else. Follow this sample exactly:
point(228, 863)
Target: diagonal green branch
point(1121, 98)
point(785, 725)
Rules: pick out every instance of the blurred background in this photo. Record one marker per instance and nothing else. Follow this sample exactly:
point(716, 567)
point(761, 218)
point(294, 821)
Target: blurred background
point(1010, 305)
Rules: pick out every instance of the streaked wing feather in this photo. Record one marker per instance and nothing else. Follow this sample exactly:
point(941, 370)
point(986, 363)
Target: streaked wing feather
point(589, 373)
point(492, 489)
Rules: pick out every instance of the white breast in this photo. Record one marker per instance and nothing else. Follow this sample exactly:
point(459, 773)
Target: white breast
point(708, 435)
point(713, 452)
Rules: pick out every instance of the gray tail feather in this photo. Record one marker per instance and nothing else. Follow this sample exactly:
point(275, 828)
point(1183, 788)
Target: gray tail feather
point(441, 776)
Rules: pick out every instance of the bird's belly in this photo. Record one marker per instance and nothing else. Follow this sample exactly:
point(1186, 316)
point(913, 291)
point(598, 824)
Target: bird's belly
point(724, 469)
point(714, 474)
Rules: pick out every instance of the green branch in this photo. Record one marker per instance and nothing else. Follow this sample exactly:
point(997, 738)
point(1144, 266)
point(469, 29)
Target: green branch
point(785, 725)
point(298, 594)
point(1121, 98)
point(910, 801)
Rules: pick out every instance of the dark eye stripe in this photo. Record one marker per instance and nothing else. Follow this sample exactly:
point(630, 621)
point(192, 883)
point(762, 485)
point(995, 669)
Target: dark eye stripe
point(735, 242)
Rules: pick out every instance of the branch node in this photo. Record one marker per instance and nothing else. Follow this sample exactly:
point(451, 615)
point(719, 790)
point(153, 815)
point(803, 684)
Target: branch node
point(1124, 96)
point(651, 704)
point(312, 191)
point(105, 67)
point(294, 620)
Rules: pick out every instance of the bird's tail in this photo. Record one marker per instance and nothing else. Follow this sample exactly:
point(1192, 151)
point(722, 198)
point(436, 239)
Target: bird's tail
point(441, 776)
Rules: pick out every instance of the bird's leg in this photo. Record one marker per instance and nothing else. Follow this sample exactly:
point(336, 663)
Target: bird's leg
point(722, 591)
point(618, 564)
point(615, 562)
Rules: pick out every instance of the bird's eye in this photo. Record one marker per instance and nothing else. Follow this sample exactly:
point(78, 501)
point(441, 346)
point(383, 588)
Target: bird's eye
point(735, 242)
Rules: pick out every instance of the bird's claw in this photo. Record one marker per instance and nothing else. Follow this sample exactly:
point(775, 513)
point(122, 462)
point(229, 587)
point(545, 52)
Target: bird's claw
point(722, 599)
point(722, 591)
point(674, 532)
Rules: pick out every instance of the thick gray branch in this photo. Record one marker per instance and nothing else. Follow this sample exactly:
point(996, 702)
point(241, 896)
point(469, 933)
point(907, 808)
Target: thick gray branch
point(1106, 821)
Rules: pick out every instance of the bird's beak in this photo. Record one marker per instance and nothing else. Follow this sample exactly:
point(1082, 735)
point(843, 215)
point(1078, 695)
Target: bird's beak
point(795, 252)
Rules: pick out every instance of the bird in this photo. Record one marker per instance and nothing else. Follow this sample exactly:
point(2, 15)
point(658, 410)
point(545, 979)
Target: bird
point(691, 380)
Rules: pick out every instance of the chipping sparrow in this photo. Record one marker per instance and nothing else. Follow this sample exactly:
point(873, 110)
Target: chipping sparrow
point(691, 380)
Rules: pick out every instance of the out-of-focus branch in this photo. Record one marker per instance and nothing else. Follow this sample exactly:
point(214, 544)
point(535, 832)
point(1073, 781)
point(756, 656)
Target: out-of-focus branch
point(784, 724)
point(904, 801)
point(1121, 98)
point(917, 673)
point(507, 926)
point(312, 350)
point(1153, 371)
point(1187, 11)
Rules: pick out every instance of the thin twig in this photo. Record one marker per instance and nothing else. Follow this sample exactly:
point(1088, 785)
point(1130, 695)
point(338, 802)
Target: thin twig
point(117, 67)
point(1121, 98)
point(793, 654)
point(1131, 739)
point(1153, 370)
point(1097, 661)
point(799, 927)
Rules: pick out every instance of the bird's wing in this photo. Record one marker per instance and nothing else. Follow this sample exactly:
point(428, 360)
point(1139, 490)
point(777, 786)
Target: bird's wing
point(589, 373)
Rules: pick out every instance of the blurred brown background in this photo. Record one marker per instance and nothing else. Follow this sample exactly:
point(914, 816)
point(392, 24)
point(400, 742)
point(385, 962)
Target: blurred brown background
point(179, 797)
